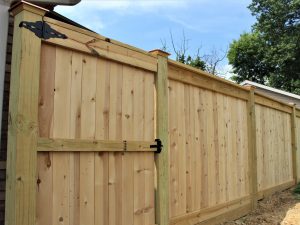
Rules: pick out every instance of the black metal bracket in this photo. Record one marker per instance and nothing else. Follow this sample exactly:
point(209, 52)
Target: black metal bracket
point(158, 146)
point(42, 30)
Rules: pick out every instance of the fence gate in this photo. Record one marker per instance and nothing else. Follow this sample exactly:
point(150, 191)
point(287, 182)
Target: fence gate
point(87, 105)
point(96, 124)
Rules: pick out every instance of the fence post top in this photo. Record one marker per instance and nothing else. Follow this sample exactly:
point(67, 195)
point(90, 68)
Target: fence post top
point(250, 87)
point(26, 6)
point(157, 52)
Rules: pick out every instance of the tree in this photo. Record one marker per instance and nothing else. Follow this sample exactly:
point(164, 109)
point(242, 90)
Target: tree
point(247, 55)
point(272, 48)
point(208, 62)
point(213, 60)
point(183, 57)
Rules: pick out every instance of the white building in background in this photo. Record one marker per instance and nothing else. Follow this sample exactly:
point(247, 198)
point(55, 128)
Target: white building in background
point(274, 93)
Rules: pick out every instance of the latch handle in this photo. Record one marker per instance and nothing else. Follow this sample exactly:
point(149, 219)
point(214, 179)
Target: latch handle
point(158, 146)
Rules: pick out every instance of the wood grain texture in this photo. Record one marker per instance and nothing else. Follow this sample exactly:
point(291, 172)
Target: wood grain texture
point(162, 159)
point(208, 149)
point(294, 137)
point(96, 105)
point(84, 145)
point(95, 46)
point(252, 147)
point(180, 72)
point(274, 147)
point(297, 120)
point(224, 146)
point(23, 123)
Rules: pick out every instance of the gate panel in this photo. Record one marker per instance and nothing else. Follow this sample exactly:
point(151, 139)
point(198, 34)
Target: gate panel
point(88, 98)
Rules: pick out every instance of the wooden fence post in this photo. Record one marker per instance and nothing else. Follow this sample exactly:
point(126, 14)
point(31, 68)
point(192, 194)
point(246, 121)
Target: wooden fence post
point(20, 203)
point(252, 150)
point(295, 153)
point(162, 127)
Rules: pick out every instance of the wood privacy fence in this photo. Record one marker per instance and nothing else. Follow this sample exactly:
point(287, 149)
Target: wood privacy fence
point(84, 115)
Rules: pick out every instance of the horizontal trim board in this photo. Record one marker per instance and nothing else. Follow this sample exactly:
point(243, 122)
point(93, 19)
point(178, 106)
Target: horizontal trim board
point(76, 145)
point(102, 49)
point(267, 192)
point(96, 35)
point(211, 210)
point(273, 103)
point(228, 215)
point(207, 82)
point(205, 74)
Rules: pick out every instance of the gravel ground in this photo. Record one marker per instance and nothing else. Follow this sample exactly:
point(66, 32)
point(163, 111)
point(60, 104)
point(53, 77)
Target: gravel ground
point(282, 208)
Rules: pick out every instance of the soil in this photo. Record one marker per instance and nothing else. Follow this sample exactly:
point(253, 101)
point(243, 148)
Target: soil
point(282, 208)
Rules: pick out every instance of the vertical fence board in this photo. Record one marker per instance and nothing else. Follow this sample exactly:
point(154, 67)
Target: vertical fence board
point(298, 145)
point(75, 132)
point(44, 164)
point(87, 163)
point(61, 129)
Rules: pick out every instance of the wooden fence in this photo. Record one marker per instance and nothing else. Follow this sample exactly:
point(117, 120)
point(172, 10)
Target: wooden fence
point(84, 114)
point(229, 147)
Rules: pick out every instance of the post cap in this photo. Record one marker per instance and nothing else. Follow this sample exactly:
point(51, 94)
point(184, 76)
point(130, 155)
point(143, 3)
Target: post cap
point(249, 87)
point(24, 5)
point(159, 52)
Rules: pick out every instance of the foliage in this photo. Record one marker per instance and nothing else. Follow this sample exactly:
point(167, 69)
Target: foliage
point(208, 62)
point(270, 54)
point(183, 57)
point(247, 55)
point(297, 191)
point(196, 62)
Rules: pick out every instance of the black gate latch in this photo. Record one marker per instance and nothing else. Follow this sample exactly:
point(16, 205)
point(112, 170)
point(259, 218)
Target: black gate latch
point(42, 30)
point(158, 146)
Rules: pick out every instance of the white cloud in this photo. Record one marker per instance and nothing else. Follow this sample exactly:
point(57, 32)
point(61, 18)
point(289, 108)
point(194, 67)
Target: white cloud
point(181, 22)
point(83, 11)
point(130, 6)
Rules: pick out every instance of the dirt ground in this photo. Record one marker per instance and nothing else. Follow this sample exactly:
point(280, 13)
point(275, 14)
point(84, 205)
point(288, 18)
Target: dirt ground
point(282, 208)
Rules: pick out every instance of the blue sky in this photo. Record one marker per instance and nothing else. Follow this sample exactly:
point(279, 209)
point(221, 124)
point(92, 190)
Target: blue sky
point(209, 24)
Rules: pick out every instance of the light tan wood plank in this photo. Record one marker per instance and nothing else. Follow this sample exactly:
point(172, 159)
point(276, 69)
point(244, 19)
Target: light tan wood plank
point(204, 150)
point(23, 129)
point(61, 129)
point(162, 126)
point(87, 159)
point(272, 103)
point(44, 189)
point(83, 145)
point(75, 131)
point(127, 133)
point(44, 168)
point(99, 48)
point(200, 79)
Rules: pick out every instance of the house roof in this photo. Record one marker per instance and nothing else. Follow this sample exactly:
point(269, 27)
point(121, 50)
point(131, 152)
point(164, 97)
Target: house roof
point(247, 82)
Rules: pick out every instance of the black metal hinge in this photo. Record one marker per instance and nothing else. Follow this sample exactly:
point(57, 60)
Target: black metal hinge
point(158, 146)
point(42, 30)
